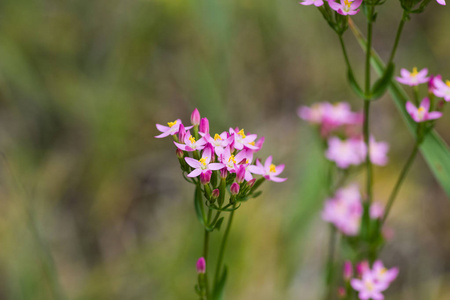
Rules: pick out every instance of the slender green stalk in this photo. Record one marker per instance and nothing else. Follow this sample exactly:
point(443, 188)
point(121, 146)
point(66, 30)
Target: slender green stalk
point(344, 51)
point(330, 263)
point(397, 37)
point(205, 253)
point(399, 182)
point(223, 245)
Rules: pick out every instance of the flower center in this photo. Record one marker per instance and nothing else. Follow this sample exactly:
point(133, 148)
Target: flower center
point(447, 82)
point(241, 133)
point(217, 137)
point(347, 5)
point(414, 72)
point(272, 168)
point(232, 159)
point(192, 139)
point(172, 123)
point(203, 161)
point(369, 286)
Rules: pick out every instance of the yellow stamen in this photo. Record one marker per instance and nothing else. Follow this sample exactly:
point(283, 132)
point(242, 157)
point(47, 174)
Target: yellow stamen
point(272, 168)
point(421, 109)
point(369, 286)
point(217, 137)
point(203, 161)
point(252, 143)
point(192, 139)
point(246, 161)
point(172, 123)
point(382, 271)
point(447, 82)
point(232, 159)
point(347, 3)
point(414, 72)
point(241, 133)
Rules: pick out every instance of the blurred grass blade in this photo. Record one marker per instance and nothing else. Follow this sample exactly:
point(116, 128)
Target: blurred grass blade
point(434, 149)
point(220, 287)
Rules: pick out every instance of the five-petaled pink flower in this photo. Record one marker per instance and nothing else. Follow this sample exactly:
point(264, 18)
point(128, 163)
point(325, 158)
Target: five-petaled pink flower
point(378, 152)
point(172, 129)
point(384, 276)
point(203, 164)
point(441, 88)
point(345, 153)
point(269, 171)
point(241, 140)
point(413, 78)
point(422, 113)
point(316, 3)
point(346, 7)
point(219, 142)
point(368, 287)
point(190, 144)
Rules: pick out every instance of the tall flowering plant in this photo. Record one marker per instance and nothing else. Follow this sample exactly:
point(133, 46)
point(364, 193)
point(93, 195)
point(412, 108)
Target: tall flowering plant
point(352, 211)
point(226, 173)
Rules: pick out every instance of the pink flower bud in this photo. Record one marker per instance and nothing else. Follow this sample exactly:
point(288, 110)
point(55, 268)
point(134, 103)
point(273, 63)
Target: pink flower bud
point(205, 177)
point(201, 266)
point(180, 153)
point(240, 174)
point(341, 292)
point(223, 173)
point(348, 270)
point(215, 193)
point(251, 183)
point(432, 82)
point(195, 117)
point(204, 126)
point(376, 210)
point(234, 189)
point(362, 268)
point(181, 134)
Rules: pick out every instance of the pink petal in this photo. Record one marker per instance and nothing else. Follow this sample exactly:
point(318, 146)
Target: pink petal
point(164, 134)
point(255, 170)
point(192, 162)
point(405, 73)
point(216, 166)
point(162, 128)
point(268, 163)
point(278, 169)
point(277, 179)
point(425, 104)
point(423, 72)
point(195, 173)
point(357, 284)
point(434, 115)
point(410, 108)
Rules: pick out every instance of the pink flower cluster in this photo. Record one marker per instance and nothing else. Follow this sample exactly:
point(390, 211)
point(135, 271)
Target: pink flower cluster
point(343, 7)
point(372, 282)
point(230, 151)
point(436, 86)
point(345, 210)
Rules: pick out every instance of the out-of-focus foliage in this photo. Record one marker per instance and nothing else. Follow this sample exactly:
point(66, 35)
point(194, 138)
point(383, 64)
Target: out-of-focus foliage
point(93, 207)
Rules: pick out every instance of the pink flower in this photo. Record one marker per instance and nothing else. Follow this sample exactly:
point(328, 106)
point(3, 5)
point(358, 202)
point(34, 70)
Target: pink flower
point(345, 8)
point(384, 276)
point(241, 140)
point(190, 144)
point(313, 114)
point(432, 82)
point(203, 165)
point(219, 142)
point(172, 129)
point(413, 78)
point(269, 171)
point(316, 3)
point(378, 152)
point(442, 89)
point(201, 265)
point(422, 113)
point(348, 270)
point(441, 2)
point(204, 126)
point(376, 210)
point(195, 117)
point(234, 189)
point(368, 287)
point(345, 153)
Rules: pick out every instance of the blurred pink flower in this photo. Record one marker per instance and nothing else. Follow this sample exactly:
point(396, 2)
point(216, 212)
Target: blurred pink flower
point(378, 152)
point(384, 276)
point(316, 3)
point(346, 7)
point(201, 265)
point(442, 89)
point(422, 113)
point(376, 210)
point(413, 78)
point(345, 152)
point(368, 287)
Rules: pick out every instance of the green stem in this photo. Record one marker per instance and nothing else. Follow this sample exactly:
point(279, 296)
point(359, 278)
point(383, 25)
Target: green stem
point(330, 263)
point(222, 248)
point(205, 253)
point(399, 182)
point(344, 51)
point(397, 37)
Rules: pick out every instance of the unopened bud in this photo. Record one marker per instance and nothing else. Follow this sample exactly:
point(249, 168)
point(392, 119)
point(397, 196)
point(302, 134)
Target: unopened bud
point(215, 194)
point(223, 173)
point(180, 153)
point(341, 292)
point(205, 177)
point(204, 126)
point(251, 183)
point(362, 268)
point(181, 133)
point(240, 174)
point(195, 117)
point(234, 189)
point(348, 270)
point(201, 266)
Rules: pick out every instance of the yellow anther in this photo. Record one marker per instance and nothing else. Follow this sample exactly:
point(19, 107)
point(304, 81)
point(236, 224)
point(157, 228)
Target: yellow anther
point(203, 161)
point(421, 109)
point(447, 82)
point(246, 161)
point(369, 286)
point(192, 139)
point(414, 72)
point(347, 3)
point(241, 133)
point(382, 271)
point(217, 137)
point(252, 143)
point(232, 159)
point(272, 168)
point(172, 123)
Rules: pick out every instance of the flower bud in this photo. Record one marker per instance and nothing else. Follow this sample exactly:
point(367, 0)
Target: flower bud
point(362, 268)
point(376, 210)
point(341, 292)
point(240, 174)
point(215, 194)
point(181, 133)
point(205, 177)
point(251, 183)
point(234, 189)
point(432, 82)
point(348, 270)
point(204, 126)
point(223, 173)
point(180, 153)
point(201, 266)
point(195, 117)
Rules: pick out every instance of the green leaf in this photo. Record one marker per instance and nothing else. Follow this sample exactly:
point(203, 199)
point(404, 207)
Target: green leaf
point(381, 85)
point(220, 287)
point(256, 194)
point(218, 224)
point(434, 149)
point(354, 84)
point(198, 205)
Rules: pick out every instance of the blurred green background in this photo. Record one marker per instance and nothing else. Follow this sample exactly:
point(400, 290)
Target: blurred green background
point(93, 207)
